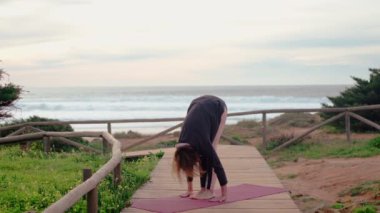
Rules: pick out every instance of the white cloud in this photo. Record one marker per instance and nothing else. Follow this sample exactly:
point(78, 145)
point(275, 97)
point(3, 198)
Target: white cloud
point(170, 42)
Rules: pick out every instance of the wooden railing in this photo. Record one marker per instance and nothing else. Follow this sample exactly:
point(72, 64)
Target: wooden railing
point(113, 164)
point(89, 186)
point(346, 112)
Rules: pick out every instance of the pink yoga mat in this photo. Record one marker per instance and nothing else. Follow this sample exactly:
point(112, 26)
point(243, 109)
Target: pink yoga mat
point(177, 204)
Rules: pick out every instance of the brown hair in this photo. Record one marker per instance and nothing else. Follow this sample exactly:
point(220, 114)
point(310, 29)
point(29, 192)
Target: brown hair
point(186, 160)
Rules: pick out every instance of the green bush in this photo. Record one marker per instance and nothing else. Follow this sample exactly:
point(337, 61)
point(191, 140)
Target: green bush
point(9, 93)
point(278, 140)
point(364, 92)
point(295, 120)
point(362, 188)
point(317, 150)
point(129, 134)
point(365, 209)
point(166, 144)
point(374, 143)
point(34, 180)
point(337, 206)
point(56, 145)
point(249, 123)
point(239, 140)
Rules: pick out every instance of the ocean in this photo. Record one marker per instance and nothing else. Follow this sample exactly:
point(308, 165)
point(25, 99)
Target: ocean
point(90, 103)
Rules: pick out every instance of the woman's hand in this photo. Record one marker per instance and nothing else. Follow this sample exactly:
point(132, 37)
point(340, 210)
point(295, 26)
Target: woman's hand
point(187, 194)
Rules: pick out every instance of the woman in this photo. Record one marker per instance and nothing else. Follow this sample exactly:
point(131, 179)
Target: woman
point(196, 148)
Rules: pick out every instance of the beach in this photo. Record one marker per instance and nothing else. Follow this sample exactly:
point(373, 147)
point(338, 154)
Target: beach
point(98, 103)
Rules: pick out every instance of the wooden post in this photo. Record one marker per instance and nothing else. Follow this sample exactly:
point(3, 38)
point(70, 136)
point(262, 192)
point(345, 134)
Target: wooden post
point(105, 146)
point(109, 128)
point(46, 144)
point(264, 129)
point(348, 126)
point(117, 174)
point(92, 196)
point(24, 130)
point(28, 143)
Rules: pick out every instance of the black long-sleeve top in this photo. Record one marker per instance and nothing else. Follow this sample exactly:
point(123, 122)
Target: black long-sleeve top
point(199, 130)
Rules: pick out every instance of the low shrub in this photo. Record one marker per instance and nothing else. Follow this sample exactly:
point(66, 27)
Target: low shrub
point(239, 140)
point(295, 119)
point(337, 206)
point(56, 145)
point(166, 144)
point(34, 180)
point(278, 140)
point(362, 188)
point(248, 123)
point(365, 209)
point(129, 134)
point(374, 143)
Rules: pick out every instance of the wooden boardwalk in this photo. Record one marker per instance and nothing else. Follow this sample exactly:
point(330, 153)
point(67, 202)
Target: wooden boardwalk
point(243, 164)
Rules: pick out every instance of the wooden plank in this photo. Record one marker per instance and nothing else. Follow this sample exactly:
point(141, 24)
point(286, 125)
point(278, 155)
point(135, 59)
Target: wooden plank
point(272, 210)
point(17, 132)
point(164, 183)
point(366, 121)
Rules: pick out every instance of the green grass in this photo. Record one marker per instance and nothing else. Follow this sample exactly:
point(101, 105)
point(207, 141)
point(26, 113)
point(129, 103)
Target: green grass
point(338, 149)
point(363, 188)
point(129, 134)
point(249, 123)
point(365, 209)
point(288, 176)
point(240, 140)
point(337, 206)
point(33, 180)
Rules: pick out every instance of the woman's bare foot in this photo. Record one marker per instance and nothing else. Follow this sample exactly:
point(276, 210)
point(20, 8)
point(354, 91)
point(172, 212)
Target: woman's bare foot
point(203, 195)
point(220, 199)
point(186, 194)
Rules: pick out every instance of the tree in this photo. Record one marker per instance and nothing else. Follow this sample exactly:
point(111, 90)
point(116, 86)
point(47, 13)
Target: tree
point(364, 92)
point(9, 93)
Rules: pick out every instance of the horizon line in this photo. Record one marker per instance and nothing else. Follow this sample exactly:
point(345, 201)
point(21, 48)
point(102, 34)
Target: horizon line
point(183, 86)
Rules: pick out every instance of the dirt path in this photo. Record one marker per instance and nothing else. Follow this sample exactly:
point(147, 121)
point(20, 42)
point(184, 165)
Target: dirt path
point(325, 179)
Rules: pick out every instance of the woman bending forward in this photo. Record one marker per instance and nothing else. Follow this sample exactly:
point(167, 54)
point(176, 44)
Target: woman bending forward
point(196, 148)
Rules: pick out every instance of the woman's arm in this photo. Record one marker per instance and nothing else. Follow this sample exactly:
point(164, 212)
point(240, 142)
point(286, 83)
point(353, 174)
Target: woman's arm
point(221, 175)
point(189, 188)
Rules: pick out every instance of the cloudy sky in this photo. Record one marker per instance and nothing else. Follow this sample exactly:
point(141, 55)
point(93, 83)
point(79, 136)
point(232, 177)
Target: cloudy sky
point(198, 42)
